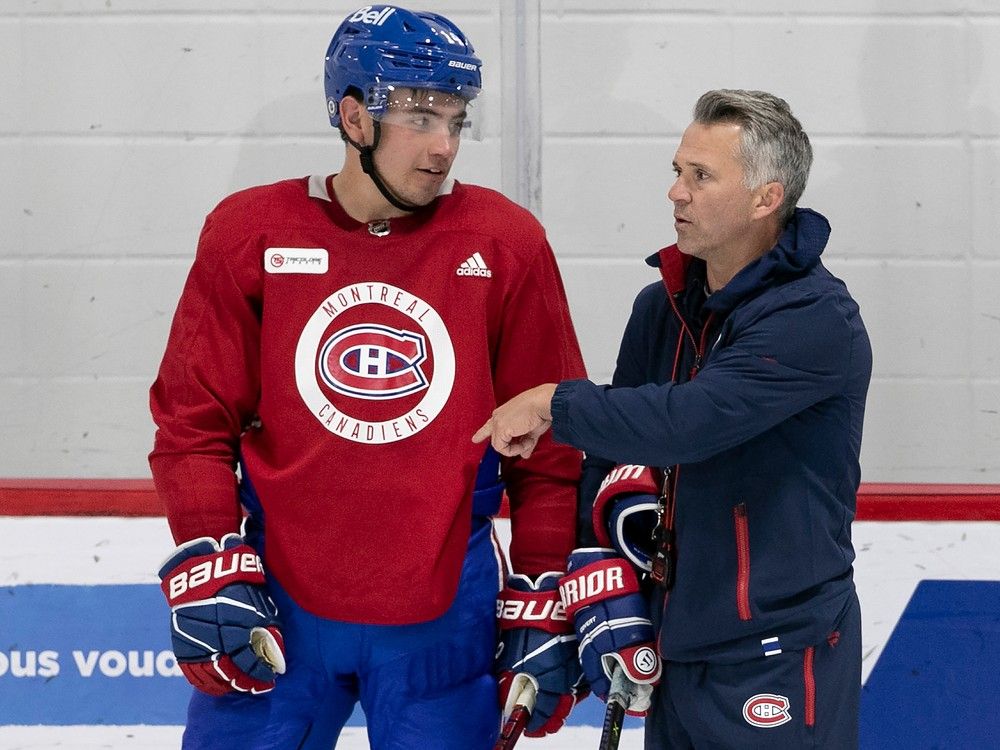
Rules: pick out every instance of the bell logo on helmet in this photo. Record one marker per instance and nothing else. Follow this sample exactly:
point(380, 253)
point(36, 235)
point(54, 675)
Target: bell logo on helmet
point(372, 17)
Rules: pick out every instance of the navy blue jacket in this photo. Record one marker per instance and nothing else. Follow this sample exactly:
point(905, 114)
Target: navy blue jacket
point(754, 396)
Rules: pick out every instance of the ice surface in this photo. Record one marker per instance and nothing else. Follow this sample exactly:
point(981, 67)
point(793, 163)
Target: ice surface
point(169, 738)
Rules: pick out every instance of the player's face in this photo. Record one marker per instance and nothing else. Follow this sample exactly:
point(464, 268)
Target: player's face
point(421, 132)
point(712, 206)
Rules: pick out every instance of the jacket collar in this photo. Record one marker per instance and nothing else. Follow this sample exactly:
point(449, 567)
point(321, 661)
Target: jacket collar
point(797, 250)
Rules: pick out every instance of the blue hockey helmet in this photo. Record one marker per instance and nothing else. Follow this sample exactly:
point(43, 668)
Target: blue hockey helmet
point(381, 46)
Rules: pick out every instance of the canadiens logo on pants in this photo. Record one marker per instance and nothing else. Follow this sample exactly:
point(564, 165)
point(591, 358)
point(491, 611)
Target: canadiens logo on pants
point(766, 710)
point(374, 342)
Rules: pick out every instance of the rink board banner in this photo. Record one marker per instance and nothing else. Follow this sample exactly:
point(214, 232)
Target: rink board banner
point(74, 654)
point(935, 684)
point(88, 655)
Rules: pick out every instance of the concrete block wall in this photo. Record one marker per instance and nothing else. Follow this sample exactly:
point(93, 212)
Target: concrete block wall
point(122, 122)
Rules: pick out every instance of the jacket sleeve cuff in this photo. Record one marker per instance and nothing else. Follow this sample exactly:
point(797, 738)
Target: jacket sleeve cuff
point(560, 410)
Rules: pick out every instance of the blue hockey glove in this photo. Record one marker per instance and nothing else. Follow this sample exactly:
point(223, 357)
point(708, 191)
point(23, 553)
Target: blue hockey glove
point(601, 594)
point(626, 513)
point(224, 626)
point(537, 644)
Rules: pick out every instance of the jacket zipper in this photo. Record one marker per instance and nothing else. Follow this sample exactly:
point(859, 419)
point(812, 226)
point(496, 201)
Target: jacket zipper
point(699, 351)
point(810, 685)
point(698, 346)
point(742, 561)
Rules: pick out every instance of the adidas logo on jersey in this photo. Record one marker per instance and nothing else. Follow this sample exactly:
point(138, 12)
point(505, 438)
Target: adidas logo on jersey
point(474, 265)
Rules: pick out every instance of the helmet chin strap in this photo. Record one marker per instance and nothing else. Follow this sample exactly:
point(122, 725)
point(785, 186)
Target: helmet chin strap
point(368, 167)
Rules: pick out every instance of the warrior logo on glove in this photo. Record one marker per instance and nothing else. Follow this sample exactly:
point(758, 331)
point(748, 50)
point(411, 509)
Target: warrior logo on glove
point(611, 617)
point(645, 661)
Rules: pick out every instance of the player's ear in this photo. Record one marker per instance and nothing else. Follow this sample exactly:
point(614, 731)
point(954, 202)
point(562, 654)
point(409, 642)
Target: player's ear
point(352, 117)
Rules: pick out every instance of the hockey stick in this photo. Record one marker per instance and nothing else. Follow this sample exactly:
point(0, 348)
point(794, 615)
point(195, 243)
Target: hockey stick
point(619, 697)
point(518, 718)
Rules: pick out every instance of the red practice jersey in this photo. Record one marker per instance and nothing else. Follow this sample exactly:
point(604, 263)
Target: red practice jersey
point(348, 365)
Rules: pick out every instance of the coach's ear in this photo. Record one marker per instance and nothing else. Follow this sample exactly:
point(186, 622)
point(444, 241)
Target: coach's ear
point(768, 199)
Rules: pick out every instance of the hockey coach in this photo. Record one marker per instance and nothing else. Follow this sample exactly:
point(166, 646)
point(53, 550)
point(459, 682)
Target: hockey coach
point(723, 460)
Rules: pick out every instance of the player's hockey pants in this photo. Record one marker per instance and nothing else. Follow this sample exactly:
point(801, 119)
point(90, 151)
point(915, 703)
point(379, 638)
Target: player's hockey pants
point(428, 685)
point(788, 701)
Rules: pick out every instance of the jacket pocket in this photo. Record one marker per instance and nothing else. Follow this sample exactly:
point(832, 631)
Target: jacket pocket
point(742, 561)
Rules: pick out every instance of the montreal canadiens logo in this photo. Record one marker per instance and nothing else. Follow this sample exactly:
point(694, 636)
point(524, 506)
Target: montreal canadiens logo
point(766, 710)
point(357, 363)
point(372, 361)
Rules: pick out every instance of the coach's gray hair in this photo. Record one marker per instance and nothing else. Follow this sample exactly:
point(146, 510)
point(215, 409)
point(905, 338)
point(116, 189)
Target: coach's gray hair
point(773, 146)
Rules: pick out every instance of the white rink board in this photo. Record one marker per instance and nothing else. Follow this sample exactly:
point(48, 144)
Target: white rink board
point(892, 558)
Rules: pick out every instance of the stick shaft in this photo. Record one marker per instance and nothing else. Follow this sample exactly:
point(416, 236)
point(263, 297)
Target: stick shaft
point(513, 728)
point(518, 718)
point(619, 698)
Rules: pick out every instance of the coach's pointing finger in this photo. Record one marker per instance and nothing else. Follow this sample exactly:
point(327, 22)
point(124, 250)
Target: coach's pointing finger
point(515, 427)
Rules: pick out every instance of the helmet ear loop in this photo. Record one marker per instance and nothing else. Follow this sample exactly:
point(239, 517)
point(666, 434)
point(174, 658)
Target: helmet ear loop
point(367, 154)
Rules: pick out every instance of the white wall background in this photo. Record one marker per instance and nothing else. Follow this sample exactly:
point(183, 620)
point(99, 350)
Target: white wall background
point(123, 122)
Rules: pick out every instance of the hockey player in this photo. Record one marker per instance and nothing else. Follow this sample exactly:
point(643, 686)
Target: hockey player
point(337, 342)
point(740, 383)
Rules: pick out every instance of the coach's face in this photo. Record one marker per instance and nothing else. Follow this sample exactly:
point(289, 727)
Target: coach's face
point(713, 209)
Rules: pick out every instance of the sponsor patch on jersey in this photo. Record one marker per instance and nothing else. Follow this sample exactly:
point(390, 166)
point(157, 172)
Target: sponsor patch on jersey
point(766, 710)
point(374, 363)
point(296, 260)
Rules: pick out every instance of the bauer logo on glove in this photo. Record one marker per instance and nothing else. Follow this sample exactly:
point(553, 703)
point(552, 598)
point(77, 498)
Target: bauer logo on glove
point(233, 565)
point(223, 623)
point(537, 645)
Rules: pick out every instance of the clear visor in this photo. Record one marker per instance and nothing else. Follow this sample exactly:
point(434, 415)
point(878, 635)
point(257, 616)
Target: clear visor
point(427, 111)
